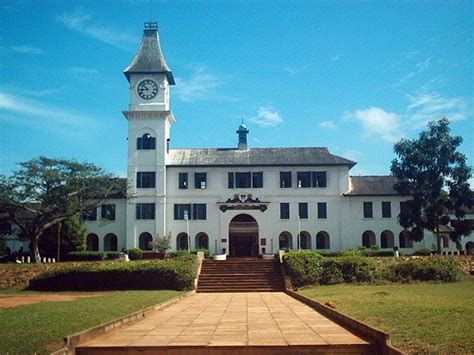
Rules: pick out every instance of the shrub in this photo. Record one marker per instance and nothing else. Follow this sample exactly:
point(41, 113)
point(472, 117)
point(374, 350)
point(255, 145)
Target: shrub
point(206, 252)
point(178, 253)
point(439, 269)
point(85, 256)
point(358, 269)
point(304, 267)
point(332, 273)
point(380, 253)
point(423, 252)
point(135, 254)
point(176, 274)
point(113, 256)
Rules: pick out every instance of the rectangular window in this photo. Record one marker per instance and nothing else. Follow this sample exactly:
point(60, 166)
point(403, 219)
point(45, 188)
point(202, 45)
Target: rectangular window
point(200, 180)
point(108, 212)
point(368, 210)
point(199, 211)
point(145, 211)
point(183, 181)
point(180, 210)
point(322, 210)
point(303, 210)
point(257, 180)
point(230, 181)
point(304, 178)
point(145, 142)
point(90, 214)
point(285, 179)
point(146, 179)
point(319, 178)
point(386, 210)
point(242, 180)
point(284, 210)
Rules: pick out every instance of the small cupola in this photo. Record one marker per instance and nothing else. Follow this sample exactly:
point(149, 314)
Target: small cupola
point(242, 132)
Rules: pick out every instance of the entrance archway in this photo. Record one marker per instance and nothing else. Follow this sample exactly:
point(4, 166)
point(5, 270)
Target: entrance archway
point(243, 236)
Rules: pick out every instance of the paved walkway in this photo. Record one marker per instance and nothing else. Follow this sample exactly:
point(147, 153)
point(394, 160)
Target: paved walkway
point(230, 319)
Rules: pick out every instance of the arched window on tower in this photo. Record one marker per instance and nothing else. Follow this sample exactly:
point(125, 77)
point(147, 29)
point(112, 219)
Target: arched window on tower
point(144, 241)
point(146, 142)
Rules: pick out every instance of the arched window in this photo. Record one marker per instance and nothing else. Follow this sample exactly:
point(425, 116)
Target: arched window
point(368, 239)
point(146, 142)
point(182, 241)
point(202, 241)
point(144, 241)
point(305, 240)
point(110, 242)
point(285, 241)
point(387, 239)
point(404, 239)
point(322, 240)
point(470, 248)
point(444, 241)
point(92, 242)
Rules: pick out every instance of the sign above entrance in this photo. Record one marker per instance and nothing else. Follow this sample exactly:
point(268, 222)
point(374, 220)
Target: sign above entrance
point(243, 202)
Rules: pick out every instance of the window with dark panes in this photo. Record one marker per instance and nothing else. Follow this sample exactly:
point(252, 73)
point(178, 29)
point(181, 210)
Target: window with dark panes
point(145, 142)
point(386, 210)
point(230, 180)
point(257, 180)
point(284, 210)
point(183, 181)
point(90, 214)
point(322, 210)
point(303, 210)
point(180, 210)
point(242, 180)
point(108, 212)
point(199, 211)
point(145, 211)
point(200, 180)
point(146, 179)
point(319, 179)
point(304, 178)
point(368, 210)
point(285, 179)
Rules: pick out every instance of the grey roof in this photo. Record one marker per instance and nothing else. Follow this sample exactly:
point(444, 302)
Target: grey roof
point(149, 57)
point(255, 157)
point(371, 185)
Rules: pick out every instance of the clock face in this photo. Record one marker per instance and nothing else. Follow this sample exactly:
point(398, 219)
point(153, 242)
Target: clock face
point(147, 89)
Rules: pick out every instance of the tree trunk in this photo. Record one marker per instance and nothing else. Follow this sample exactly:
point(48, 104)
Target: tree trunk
point(36, 255)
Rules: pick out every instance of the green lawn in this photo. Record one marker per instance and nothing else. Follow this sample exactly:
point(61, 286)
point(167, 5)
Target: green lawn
point(40, 327)
point(422, 317)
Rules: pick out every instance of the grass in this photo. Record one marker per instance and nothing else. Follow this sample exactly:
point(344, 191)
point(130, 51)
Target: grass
point(40, 327)
point(421, 317)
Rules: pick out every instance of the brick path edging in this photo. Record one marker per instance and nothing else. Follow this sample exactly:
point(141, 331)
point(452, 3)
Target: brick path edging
point(375, 336)
point(71, 341)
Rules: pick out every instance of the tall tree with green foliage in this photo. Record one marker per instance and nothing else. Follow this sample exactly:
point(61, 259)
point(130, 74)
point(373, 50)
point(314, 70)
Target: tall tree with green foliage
point(44, 192)
point(435, 174)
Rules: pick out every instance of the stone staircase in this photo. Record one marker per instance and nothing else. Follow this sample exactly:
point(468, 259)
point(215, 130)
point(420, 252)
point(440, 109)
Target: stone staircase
point(240, 275)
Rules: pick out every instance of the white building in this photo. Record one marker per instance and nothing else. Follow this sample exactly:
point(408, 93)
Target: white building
point(242, 201)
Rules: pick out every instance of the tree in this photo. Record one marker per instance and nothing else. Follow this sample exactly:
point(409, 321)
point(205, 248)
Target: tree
point(436, 175)
point(44, 192)
point(162, 243)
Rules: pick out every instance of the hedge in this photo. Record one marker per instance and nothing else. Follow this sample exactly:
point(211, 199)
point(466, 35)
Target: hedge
point(85, 256)
point(304, 267)
point(175, 274)
point(135, 254)
point(433, 269)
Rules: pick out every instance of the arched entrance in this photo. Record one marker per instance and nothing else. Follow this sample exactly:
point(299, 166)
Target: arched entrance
point(243, 236)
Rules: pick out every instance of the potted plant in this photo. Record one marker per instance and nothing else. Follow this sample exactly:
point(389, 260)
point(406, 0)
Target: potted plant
point(161, 244)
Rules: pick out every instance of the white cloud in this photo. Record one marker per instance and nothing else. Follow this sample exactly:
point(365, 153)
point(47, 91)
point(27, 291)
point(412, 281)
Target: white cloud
point(267, 116)
point(200, 85)
point(328, 125)
point(336, 58)
point(377, 122)
point(82, 22)
point(25, 49)
point(432, 106)
point(295, 69)
point(81, 71)
point(38, 114)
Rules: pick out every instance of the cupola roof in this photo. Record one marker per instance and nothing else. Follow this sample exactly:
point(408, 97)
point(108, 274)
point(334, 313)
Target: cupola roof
point(149, 58)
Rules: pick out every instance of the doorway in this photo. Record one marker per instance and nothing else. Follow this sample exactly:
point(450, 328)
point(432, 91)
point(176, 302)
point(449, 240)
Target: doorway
point(243, 236)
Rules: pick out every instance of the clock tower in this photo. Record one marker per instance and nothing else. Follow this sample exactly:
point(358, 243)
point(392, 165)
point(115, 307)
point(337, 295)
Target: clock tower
point(149, 122)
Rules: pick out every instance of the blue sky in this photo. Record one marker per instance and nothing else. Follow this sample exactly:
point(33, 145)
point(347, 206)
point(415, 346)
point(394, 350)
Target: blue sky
point(351, 76)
